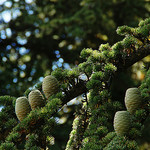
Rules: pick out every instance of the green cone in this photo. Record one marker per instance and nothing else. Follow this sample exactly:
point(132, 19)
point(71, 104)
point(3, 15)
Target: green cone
point(22, 108)
point(122, 121)
point(132, 99)
point(36, 99)
point(49, 86)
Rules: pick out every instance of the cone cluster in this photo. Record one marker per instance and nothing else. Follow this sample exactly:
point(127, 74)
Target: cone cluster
point(122, 119)
point(35, 98)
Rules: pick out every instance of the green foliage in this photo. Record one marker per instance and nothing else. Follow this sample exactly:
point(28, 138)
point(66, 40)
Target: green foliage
point(54, 103)
point(118, 47)
point(7, 146)
point(144, 30)
point(26, 93)
point(72, 143)
point(85, 53)
point(86, 67)
point(144, 22)
point(31, 143)
point(59, 74)
point(145, 87)
point(41, 34)
point(140, 114)
point(107, 139)
point(98, 76)
point(10, 123)
point(125, 30)
point(93, 124)
point(104, 47)
point(8, 119)
point(91, 142)
point(93, 83)
point(72, 74)
point(6, 100)
point(121, 143)
point(109, 68)
point(129, 41)
point(13, 137)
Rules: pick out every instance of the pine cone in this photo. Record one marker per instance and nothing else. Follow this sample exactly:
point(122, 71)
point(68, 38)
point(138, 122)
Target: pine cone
point(36, 99)
point(49, 86)
point(22, 108)
point(133, 99)
point(122, 121)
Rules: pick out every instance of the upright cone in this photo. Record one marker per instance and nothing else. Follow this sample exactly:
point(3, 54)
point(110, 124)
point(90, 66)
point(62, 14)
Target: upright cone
point(36, 99)
point(22, 108)
point(49, 86)
point(122, 121)
point(132, 99)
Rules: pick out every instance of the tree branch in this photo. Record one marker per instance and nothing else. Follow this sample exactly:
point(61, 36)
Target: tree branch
point(134, 57)
point(122, 64)
point(77, 90)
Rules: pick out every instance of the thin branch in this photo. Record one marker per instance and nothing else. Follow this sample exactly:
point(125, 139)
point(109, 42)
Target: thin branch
point(77, 90)
point(134, 57)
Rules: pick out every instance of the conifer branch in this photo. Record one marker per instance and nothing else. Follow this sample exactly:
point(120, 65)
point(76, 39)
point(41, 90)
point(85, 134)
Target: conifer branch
point(101, 65)
point(122, 64)
point(134, 57)
point(77, 90)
